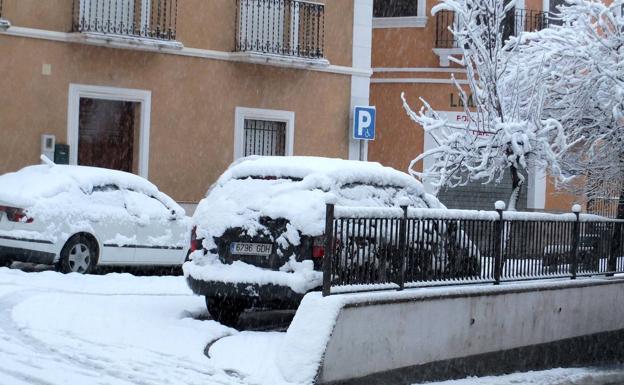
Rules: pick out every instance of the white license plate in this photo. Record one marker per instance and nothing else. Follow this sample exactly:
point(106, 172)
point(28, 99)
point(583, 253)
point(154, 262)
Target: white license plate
point(242, 248)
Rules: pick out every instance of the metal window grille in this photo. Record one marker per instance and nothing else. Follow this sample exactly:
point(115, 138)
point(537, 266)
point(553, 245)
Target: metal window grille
point(154, 19)
point(264, 137)
point(518, 21)
point(395, 8)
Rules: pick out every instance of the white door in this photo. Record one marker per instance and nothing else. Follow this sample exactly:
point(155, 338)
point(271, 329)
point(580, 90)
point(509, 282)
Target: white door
point(113, 225)
point(161, 238)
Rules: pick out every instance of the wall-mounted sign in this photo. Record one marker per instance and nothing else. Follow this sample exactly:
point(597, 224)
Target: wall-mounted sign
point(364, 123)
point(456, 101)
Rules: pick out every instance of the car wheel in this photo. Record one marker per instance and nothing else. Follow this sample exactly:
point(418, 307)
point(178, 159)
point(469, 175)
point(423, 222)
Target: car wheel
point(225, 311)
point(5, 262)
point(78, 256)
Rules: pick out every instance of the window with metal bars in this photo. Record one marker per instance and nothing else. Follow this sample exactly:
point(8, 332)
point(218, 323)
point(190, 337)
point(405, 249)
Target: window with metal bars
point(265, 137)
point(395, 8)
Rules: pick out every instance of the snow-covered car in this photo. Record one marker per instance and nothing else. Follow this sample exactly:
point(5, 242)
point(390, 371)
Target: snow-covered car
point(78, 217)
point(258, 235)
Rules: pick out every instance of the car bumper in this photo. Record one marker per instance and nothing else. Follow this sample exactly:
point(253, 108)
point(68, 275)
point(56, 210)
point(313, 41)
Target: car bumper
point(252, 294)
point(27, 250)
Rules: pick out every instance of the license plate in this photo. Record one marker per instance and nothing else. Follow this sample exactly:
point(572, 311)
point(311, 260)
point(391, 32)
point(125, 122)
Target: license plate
point(242, 248)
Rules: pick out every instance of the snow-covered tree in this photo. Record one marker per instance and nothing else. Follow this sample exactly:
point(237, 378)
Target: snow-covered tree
point(498, 135)
point(579, 68)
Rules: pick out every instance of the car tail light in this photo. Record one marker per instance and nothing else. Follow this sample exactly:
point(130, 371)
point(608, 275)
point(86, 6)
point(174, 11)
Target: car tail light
point(196, 244)
point(318, 248)
point(15, 214)
point(318, 251)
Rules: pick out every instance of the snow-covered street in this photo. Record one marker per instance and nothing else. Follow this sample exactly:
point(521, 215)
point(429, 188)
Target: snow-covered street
point(121, 329)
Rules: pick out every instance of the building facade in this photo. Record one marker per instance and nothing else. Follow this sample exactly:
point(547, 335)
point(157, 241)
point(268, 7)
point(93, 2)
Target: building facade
point(175, 90)
point(411, 49)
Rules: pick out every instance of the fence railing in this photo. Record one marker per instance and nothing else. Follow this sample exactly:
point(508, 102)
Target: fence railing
point(606, 207)
point(281, 27)
point(522, 20)
point(153, 19)
point(370, 249)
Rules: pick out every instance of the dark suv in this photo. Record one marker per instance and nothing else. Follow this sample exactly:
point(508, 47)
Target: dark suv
point(258, 235)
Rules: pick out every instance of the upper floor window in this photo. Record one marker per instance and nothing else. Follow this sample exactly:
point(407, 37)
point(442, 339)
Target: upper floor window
point(285, 28)
point(154, 19)
point(395, 8)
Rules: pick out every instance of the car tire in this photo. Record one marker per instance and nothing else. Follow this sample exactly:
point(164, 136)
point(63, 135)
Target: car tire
point(5, 262)
point(79, 255)
point(225, 311)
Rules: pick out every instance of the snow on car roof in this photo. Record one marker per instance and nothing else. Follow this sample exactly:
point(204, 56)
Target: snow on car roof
point(241, 196)
point(25, 187)
point(345, 171)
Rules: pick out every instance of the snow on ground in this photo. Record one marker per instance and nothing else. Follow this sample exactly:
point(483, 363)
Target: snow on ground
point(118, 329)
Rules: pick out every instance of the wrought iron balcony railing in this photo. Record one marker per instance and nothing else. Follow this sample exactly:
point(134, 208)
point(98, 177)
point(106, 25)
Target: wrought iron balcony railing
point(521, 20)
point(152, 19)
point(281, 27)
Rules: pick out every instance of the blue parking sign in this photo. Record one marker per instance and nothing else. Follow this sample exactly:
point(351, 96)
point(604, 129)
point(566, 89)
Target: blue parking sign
point(364, 123)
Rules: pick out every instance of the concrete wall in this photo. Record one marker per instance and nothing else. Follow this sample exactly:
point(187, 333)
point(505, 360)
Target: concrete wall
point(384, 332)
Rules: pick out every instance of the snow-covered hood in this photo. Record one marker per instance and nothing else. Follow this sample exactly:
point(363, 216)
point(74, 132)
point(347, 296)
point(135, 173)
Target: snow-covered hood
point(296, 188)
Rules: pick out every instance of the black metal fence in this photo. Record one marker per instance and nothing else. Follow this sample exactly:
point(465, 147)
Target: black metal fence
point(397, 248)
point(518, 21)
point(281, 27)
point(153, 19)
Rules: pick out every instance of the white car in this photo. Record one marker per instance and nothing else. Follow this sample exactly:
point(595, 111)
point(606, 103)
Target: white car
point(77, 217)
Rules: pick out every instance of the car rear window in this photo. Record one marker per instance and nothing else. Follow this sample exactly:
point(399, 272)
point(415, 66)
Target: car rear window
point(361, 194)
point(270, 177)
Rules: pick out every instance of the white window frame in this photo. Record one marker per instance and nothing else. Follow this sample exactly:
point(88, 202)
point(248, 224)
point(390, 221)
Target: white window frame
point(244, 113)
point(144, 97)
point(418, 21)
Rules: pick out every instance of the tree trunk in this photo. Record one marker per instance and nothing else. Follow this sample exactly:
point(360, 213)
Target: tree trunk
point(620, 206)
point(516, 185)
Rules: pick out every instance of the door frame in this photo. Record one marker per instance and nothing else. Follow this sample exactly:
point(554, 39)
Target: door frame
point(144, 97)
